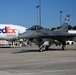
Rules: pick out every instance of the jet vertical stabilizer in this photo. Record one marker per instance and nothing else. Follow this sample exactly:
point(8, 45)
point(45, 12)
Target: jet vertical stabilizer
point(67, 19)
point(65, 24)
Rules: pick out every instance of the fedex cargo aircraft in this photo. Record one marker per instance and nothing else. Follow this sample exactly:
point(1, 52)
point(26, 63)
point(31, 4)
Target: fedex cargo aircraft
point(10, 31)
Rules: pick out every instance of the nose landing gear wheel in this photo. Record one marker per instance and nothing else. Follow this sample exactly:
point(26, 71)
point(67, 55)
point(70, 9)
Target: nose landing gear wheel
point(40, 48)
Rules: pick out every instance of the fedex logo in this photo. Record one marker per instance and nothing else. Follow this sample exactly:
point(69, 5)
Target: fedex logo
point(8, 30)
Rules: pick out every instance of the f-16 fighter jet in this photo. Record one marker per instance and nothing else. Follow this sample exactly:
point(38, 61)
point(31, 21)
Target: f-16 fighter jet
point(43, 37)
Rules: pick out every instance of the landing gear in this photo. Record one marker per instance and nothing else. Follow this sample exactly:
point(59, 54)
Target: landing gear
point(46, 47)
point(40, 48)
point(63, 44)
point(63, 47)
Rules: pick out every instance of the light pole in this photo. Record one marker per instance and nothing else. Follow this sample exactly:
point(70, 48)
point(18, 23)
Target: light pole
point(37, 14)
point(40, 11)
point(61, 17)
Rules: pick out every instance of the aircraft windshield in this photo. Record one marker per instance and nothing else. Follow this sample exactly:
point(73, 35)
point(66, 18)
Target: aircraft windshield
point(36, 27)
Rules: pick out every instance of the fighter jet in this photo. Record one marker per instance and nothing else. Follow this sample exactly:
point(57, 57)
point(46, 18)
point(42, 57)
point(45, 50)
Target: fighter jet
point(41, 35)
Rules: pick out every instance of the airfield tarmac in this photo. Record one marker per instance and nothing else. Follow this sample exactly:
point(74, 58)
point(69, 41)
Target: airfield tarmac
point(29, 61)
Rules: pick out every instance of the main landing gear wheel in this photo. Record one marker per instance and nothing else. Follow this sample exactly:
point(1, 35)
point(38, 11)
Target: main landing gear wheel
point(46, 47)
point(63, 47)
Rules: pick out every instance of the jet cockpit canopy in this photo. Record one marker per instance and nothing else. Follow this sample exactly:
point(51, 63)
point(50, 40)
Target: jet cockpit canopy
point(36, 27)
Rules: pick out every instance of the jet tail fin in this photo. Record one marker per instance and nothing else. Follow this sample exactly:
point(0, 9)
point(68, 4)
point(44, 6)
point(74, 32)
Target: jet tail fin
point(65, 24)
